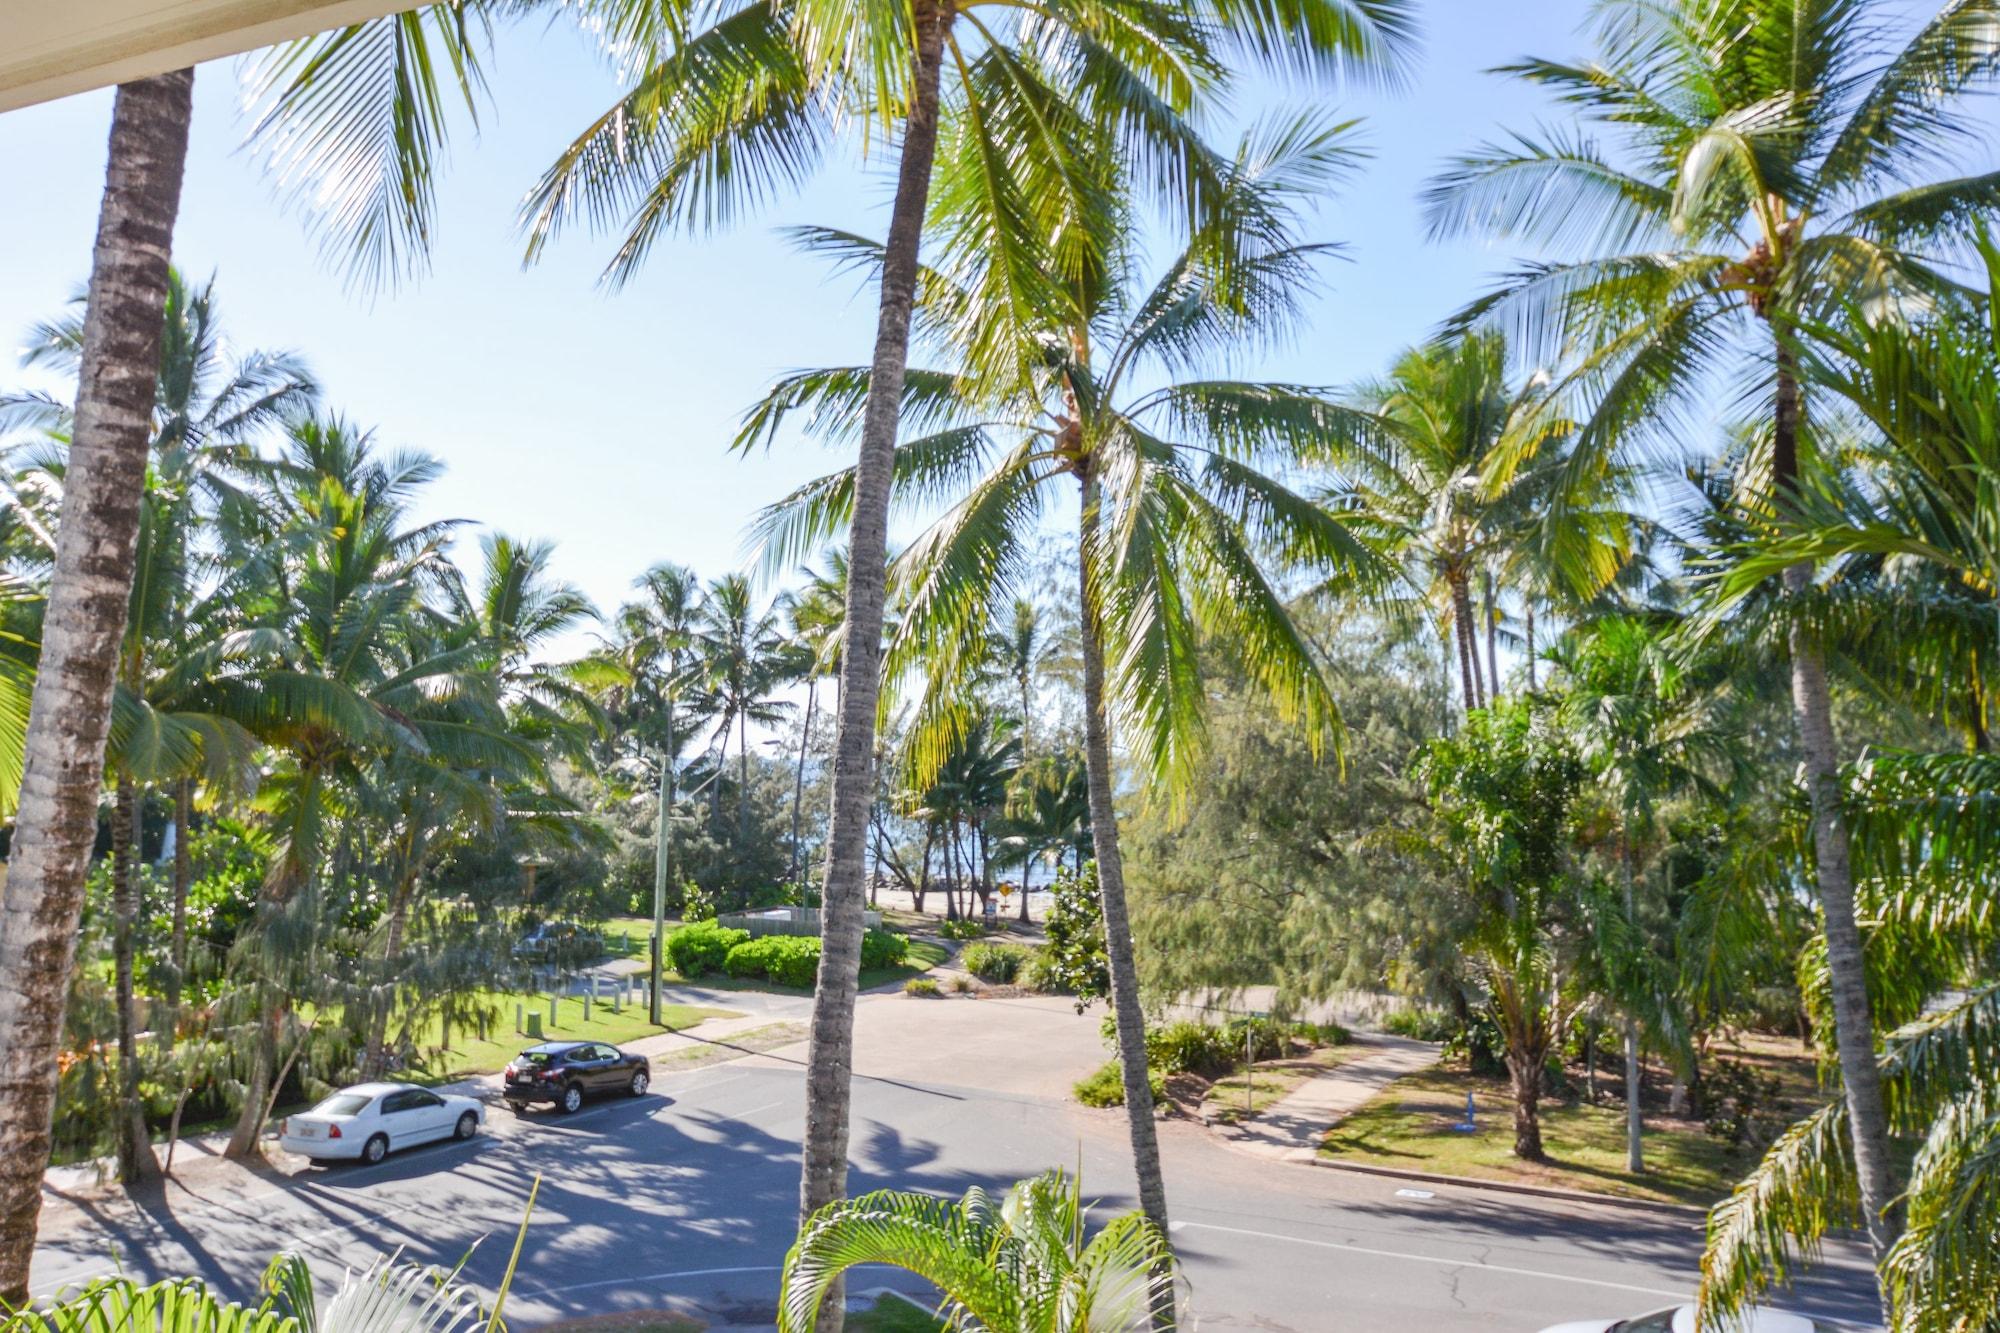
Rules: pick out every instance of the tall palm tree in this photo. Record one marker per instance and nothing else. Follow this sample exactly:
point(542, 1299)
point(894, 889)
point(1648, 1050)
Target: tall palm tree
point(118, 364)
point(70, 714)
point(1453, 471)
point(1173, 509)
point(1646, 733)
point(740, 651)
point(1771, 164)
point(209, 408)
point(818, 617)
point(720, 116)
point(657, 644)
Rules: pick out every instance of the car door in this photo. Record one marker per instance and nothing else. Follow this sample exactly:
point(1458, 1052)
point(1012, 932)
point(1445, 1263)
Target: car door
point(433, 1115)
point(399, 1119)
point(605, 1067)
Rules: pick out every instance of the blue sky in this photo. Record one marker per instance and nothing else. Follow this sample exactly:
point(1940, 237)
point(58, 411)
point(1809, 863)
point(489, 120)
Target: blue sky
point(600, 419)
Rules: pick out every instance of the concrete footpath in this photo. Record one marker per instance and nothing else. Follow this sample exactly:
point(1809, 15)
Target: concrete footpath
point(1291, 1129)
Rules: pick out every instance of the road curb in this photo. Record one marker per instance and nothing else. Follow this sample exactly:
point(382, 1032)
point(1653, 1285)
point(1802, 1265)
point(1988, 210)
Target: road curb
point(1686, 1212)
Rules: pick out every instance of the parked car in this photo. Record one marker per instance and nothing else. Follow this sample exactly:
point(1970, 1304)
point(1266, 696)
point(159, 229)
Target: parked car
point(1680, 1319)
point(559, 942)
point(563, 1073)
point(371, 1120)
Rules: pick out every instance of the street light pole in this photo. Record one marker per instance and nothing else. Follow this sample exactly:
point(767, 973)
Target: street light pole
point(662, 848)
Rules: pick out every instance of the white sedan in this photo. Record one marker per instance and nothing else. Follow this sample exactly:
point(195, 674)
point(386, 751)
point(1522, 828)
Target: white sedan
point(371, 1120)
point(1680, 1319)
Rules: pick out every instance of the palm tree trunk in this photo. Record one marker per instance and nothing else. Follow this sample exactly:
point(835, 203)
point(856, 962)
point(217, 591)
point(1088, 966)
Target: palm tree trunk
point(1468, 657)
point(1635, 1127)
point(1528, 624)
point(135, 1145)
point(183, 878)
point(799, 779)
point(830, 1052)
point(1812, 708)
point(70, 713)
point(1131, 1019)
point(1492, 633)
point(373, 1062)
point(742, 780)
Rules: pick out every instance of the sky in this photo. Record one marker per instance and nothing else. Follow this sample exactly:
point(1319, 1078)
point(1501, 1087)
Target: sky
point(601, 419)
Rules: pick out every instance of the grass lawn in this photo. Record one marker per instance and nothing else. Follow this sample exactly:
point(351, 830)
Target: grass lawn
point(469, 1055)
point(1408, 1125)
point(1271, 1082)
point(893, 1314)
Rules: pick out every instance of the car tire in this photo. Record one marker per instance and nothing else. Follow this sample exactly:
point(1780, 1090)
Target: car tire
point(468, 1125)
point(640, 1081)
point(375, 1149)
point(572, 1099)
point(518, 1108)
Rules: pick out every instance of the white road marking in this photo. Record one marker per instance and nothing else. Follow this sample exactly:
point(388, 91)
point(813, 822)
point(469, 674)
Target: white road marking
point(655, 1277)
point(1439, 1260)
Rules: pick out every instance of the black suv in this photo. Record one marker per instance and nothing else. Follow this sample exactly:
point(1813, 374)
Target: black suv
point(565, 1072)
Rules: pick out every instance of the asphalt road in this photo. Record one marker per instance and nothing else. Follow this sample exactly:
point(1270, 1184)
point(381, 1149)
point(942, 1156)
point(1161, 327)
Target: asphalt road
point(687, 1198)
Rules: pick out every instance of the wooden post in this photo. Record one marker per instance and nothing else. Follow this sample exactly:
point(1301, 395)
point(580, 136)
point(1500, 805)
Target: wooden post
point(520, 1020)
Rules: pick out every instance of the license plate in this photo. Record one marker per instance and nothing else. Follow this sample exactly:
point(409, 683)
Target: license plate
point(306, 1132)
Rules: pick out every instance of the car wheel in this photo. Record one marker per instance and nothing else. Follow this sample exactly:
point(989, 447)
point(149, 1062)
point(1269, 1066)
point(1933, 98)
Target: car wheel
point(639, 1083)
point(468, 1125)
point(375, 1149)
point(572, 1099)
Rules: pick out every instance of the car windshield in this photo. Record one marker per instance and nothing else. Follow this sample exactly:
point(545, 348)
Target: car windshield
point(341, 1103)
point(535, 1059)
point(1660, 1321)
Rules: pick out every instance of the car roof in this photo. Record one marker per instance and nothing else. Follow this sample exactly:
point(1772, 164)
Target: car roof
point(557, 1047)
point(376, 1089)
point(1756, 1319)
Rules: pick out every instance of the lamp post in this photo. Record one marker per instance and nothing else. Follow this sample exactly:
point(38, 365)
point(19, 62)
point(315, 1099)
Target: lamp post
point(662, 849)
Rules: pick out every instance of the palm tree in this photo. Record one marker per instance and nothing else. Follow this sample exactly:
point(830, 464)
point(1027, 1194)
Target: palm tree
point(208, 410)
point(718, 118)
point(351, 102)
point(1773, 164)
point(740, 651)
point(70, 716)
point(1017, 1266)
point(1646, 732)
point(1048, 813)
point(818, 616)
point(1453, 472)
point(656, 652)
point(1173, 509)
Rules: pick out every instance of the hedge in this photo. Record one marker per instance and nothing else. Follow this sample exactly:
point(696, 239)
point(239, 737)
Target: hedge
point(702, 947)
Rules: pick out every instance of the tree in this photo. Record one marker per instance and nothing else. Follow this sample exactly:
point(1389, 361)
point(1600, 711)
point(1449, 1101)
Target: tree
point(209, 409)
point(1646, 730)
point(1502, 790)
point(1773, 163)
point(1173, 509)
point(1452, 471)
point(740, 650)
point(1017, 1266)
point(69, 719)
point(718, 117)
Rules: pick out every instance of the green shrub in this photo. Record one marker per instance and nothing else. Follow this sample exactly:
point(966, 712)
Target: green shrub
point(1038, 973)
point(1106, 1087)
point(963, 929)
point(789, 960)
point(883, 948)
point(998, 963)
point(1194, 1048)
point(702, 947)
point(926, 986)
point(1421, 1024)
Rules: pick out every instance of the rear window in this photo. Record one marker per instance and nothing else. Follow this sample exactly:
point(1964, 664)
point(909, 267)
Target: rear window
point(341, 1103)
point(535, 1059)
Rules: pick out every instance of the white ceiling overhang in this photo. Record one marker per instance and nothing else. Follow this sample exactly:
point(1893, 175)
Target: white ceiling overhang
point(52, 48)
